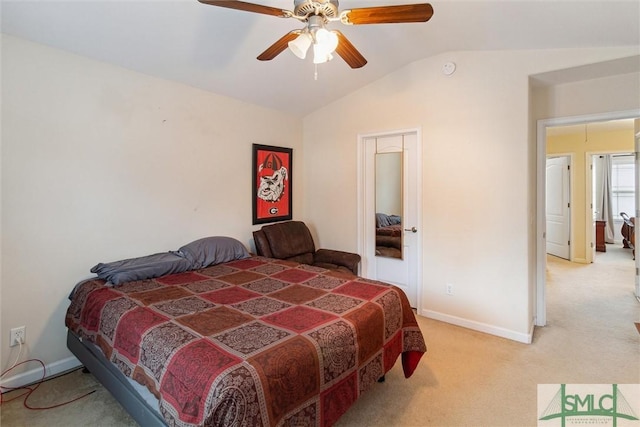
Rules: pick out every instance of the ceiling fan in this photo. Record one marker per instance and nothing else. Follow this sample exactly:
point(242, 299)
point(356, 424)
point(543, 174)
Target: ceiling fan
point(316, 14)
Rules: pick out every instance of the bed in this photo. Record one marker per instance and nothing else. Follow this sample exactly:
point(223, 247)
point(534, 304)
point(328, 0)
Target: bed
point(388, 235)
point(248, 341)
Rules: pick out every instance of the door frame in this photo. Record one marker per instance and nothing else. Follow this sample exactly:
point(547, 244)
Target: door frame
point(590, 226)
point(540, 306)
point(366, 223)
point(636, 145)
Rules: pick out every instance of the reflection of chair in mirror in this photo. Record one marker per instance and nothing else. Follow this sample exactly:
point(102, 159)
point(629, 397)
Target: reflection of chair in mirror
point(388, 235)
point(628, 232)
point(291, 240)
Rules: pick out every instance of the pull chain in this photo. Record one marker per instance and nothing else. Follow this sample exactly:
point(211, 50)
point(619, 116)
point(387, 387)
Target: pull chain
point(315, 72)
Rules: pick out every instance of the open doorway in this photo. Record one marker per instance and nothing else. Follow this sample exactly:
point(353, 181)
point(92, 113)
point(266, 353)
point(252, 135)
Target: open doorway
point(585, 139)
point(602, 181)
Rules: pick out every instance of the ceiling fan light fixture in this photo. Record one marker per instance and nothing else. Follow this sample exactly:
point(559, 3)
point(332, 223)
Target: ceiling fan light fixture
point(327, 39)
point(325, 44)
point(318, 13)
point(300, 45)
point(320, 54)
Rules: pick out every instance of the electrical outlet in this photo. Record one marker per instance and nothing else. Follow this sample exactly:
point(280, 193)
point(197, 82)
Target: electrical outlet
point(449, 289)
point(18, 335)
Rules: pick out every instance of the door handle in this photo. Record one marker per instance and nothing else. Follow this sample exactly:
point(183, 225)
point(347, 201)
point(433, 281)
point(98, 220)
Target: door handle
point(412, 229)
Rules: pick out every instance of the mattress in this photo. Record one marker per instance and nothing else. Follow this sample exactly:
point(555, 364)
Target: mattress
point(256, 341)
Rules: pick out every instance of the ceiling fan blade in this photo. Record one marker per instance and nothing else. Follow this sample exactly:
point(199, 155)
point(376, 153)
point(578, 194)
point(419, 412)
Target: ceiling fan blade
point(248, 7)
point(277, 48)
point(421, 12)
point(348, 52)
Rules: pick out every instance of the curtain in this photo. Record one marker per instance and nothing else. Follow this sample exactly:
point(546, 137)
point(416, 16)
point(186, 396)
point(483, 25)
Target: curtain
point(605, 204)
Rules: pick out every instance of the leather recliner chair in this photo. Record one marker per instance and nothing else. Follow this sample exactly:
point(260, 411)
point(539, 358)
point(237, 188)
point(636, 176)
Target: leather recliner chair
point(292, 241)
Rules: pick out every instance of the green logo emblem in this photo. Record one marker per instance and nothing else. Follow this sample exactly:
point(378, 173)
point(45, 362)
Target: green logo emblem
point(588, 405)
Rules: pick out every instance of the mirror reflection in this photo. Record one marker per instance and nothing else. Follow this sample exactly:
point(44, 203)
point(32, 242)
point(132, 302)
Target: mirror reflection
point(388, 167)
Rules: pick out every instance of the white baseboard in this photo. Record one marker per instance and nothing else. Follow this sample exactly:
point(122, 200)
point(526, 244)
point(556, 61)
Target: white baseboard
point(35, 375)
point(479, 326)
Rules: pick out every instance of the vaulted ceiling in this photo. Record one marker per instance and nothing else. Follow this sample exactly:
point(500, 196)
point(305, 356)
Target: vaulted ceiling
point(215, 48)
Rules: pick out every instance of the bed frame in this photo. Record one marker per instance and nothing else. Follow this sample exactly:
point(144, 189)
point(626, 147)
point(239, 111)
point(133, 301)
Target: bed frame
point(114, 381)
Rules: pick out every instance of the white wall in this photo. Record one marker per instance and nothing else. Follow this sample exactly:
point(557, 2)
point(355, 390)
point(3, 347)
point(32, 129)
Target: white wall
point(100, 163)
point(614, 93)
point(478, 170)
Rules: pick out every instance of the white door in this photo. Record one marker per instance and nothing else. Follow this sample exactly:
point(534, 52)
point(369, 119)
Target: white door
point(403, 272)
point(558, 207)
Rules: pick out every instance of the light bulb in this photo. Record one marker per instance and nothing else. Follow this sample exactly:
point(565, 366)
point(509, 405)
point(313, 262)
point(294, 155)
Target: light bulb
point(300, 45)
point(320, 55)
point(328, 39)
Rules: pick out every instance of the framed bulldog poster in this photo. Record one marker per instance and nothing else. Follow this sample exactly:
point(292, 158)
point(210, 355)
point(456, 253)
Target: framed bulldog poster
point(272, 179)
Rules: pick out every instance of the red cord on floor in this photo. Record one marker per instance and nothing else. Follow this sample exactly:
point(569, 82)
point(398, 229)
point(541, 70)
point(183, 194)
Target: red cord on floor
point(29, 390)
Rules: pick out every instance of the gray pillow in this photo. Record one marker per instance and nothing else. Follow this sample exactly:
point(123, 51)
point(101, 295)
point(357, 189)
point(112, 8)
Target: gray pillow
point(382, 220)
point(395, 219)
point(213, 250)
point(146, 267)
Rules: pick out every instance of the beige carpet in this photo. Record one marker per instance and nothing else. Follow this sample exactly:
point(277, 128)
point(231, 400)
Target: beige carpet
point(466, 378)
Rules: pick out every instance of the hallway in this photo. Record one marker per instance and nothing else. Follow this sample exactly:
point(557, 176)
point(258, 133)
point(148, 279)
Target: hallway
point(595, 298)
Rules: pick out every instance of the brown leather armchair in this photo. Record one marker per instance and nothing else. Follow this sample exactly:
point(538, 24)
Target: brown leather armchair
point(292, 241)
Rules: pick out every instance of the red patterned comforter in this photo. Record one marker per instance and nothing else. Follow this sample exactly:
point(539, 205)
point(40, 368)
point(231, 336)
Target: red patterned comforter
point(251, 342)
